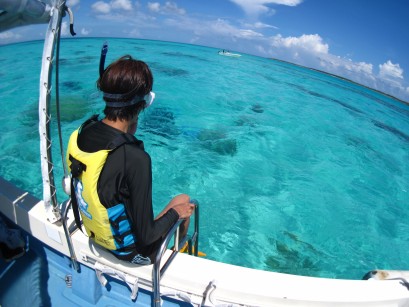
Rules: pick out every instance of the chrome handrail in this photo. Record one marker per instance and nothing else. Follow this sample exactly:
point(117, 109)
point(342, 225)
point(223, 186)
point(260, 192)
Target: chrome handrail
point(73, 258)
point(157, 271)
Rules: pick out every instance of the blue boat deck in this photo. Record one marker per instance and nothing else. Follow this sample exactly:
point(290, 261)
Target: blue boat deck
point(43, 277)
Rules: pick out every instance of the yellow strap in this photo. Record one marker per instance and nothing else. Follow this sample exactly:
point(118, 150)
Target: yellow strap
point(185, 249)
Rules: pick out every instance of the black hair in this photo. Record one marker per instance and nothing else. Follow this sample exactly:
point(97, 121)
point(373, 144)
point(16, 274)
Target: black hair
point(127, 78)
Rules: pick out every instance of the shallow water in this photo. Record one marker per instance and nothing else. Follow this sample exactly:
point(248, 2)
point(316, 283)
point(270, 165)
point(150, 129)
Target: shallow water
point(296, 171)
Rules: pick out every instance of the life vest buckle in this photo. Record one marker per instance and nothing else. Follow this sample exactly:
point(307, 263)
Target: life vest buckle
point(114, 224)
point(77, 167)
point(119, 239)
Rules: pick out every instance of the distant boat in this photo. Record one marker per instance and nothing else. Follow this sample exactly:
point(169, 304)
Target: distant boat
point(228, 53)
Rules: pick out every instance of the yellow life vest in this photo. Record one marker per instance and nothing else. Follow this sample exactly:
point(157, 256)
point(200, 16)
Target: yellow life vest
point(108, 227)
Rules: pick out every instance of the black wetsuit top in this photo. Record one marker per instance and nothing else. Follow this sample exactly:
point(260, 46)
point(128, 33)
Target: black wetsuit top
point(127, 178)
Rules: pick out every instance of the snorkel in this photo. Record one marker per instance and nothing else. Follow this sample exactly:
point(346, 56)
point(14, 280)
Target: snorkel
point(104, 52)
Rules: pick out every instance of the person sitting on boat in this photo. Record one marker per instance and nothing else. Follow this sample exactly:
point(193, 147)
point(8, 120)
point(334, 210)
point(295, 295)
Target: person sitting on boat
point(111, 172)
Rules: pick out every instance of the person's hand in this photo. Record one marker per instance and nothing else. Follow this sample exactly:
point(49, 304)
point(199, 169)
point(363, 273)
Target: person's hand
point(184, 210)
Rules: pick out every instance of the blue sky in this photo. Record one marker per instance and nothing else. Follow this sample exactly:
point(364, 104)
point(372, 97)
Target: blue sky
point(366, 41)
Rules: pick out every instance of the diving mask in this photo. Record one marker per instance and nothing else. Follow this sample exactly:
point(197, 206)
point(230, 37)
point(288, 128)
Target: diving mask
point(149, 98)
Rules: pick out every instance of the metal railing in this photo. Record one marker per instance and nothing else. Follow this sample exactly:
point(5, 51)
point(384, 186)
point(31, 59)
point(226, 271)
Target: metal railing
point(74, 262)
point(193, 245)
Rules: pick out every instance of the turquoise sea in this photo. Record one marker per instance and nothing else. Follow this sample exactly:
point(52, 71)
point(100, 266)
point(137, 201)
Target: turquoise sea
point(296, 171)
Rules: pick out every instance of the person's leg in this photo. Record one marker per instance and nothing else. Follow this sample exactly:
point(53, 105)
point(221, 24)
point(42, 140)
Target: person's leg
point(178, 199)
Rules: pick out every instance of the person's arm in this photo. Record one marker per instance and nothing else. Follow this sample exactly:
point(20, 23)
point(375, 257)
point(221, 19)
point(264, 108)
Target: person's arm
point(140, 210)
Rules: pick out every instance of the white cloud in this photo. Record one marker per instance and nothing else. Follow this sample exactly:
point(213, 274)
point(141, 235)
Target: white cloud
point(285, 2)
point(154, 7)
point(9, 35)
point(169, 8)
point(84, 31)
point(259, 25)
point(360, 72)
point(134, 33)
point(101, 7)
point(193, 40)
point(222, 28)
point(257, 7)
point(261, 49)
point(121, 5)
point(243, 33)
point(311, 43)
point(391, 78)
point(389, 70)
point(311, 51)
point(65, 29)
point(366, 68)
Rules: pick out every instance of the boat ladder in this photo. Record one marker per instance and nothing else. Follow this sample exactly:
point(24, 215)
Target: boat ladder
point(193, 249)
